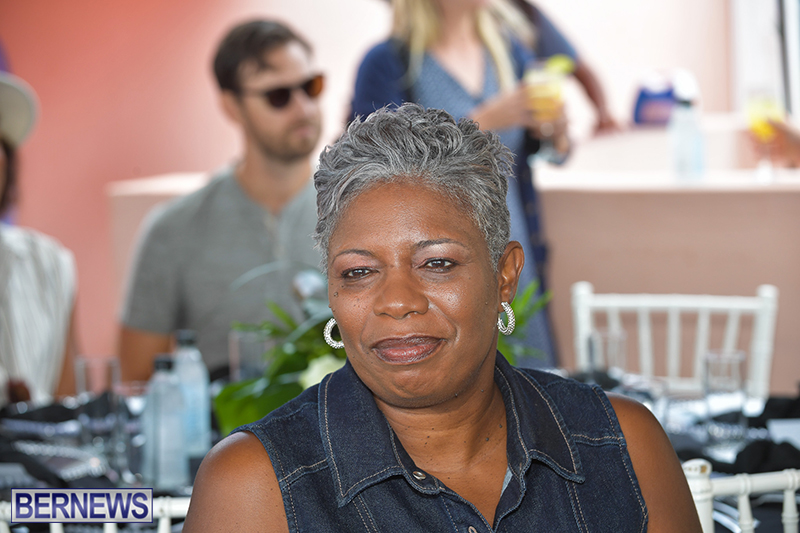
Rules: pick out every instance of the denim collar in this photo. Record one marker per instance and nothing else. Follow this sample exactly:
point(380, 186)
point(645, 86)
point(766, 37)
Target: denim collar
point(362, 450)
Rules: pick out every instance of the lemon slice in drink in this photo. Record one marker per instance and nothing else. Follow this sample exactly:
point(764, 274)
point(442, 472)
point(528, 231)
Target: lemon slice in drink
point(560, 64)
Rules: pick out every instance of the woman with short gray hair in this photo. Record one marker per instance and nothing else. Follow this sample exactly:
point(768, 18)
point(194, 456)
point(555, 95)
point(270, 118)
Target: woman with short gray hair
point(454, 158)
point(427, 427)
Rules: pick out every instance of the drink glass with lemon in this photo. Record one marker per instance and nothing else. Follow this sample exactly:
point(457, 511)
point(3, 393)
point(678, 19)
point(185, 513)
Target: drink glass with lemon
point(544, 81)
point(761, 110)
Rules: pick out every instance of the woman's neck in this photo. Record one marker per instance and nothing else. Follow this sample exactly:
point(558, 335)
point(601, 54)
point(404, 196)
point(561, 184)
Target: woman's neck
point(458, 27)
point(455, 434)
point(459, 49)
point(463, 443)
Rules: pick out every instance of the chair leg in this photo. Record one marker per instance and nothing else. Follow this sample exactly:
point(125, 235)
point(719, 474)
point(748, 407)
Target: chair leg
point(698, 475)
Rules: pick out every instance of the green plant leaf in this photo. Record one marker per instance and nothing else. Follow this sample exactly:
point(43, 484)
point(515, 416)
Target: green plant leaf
point(525, 307)
point(295, 345)
point(247, 401)
point(282, 315)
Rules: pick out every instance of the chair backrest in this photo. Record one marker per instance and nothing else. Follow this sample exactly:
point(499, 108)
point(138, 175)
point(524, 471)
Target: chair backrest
point(763, 307)
point(705, 489)
point(164, 510)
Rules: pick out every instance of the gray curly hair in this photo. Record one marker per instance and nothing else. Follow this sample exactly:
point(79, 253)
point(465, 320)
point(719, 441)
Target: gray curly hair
point(427, 147)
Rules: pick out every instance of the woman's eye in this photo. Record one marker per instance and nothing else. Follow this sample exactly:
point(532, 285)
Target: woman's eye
point(355, 273)
point(439, 264)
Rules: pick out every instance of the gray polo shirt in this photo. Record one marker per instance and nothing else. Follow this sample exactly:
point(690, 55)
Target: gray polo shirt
point(199, 255)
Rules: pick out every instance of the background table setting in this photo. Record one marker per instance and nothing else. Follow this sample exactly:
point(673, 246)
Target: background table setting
point(95, 439)
point(717, 422)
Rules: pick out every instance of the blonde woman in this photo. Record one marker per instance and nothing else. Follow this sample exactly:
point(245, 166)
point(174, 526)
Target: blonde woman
point(467, 57)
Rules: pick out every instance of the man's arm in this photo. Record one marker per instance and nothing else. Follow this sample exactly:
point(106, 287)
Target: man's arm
point(785, 146)
point(138, 350)
point(150, 310)
point(594, 90)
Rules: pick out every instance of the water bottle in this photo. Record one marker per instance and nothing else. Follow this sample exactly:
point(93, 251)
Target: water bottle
point(165, 462)
point(193, 377)
point(687, 142)
point(684, 130)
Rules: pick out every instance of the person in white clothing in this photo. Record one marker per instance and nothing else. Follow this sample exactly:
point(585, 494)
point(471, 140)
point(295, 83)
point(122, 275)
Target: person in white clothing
point(37, 278)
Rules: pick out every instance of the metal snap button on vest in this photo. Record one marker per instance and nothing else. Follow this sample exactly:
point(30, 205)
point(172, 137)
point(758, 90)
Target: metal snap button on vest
point(419, 475)
point(472, 530)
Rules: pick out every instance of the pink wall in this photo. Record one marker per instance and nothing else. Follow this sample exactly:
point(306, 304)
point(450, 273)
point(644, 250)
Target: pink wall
point(126, 91)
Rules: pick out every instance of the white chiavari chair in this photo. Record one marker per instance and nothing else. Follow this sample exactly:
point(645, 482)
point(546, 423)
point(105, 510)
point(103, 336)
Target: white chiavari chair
point(763, 307)
point(705, 488)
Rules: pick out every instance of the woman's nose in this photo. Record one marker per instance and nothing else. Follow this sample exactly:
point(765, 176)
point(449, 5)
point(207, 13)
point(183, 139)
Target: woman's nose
point(400, 296)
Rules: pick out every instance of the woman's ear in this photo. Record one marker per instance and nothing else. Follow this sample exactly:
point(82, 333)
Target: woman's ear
point(509, 269)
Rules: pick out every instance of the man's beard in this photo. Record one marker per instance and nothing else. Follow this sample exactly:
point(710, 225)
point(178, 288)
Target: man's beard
point(287, 148)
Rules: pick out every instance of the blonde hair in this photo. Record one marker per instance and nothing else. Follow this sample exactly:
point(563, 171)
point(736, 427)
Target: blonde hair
point(417, 24)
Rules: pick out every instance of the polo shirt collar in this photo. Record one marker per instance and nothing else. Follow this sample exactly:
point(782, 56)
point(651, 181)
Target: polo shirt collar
point(362, 450)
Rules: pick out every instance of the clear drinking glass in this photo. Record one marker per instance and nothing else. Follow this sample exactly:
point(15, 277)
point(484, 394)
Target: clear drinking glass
point(131, 400)
point(247, 353)
point(725, 397)
point(545, 99)
point(95, 381)
point(607, 351)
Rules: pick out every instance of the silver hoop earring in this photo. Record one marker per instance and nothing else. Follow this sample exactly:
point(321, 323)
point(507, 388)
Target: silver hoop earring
point(512, 321)
point(327, 334)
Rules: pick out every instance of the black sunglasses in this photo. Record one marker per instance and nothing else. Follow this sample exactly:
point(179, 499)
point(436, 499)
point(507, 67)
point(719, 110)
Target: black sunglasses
point(279, 97)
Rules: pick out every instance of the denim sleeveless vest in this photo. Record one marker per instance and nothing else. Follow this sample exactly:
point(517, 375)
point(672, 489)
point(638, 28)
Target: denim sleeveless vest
point(342, 469)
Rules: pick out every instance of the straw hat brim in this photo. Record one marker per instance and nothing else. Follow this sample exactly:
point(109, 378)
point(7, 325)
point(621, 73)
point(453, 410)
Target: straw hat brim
point(18, 108)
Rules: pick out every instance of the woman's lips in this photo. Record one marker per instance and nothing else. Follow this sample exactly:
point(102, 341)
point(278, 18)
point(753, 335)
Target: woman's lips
point(406, 350)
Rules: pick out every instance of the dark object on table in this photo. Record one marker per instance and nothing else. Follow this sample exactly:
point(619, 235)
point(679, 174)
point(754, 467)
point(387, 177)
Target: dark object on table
point(28, 437)
point(758, 456)
point(762, 455)
point(777, 408)
point(222, 373)
point(34, 467)
point(53, 413)
point(598, 377)
point(766, 456)
point(18, 391)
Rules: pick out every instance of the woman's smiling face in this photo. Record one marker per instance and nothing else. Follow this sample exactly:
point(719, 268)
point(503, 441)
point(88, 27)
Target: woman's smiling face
point(415, 294)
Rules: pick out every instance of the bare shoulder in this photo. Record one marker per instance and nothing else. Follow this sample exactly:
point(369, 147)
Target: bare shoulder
point(666, 493)
point(634, 415)
point(236, 489)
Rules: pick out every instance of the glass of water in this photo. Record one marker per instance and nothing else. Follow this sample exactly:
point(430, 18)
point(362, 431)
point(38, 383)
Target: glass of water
point(725, 398)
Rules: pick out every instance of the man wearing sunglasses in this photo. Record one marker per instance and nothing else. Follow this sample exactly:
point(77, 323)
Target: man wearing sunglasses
point(220, 254)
